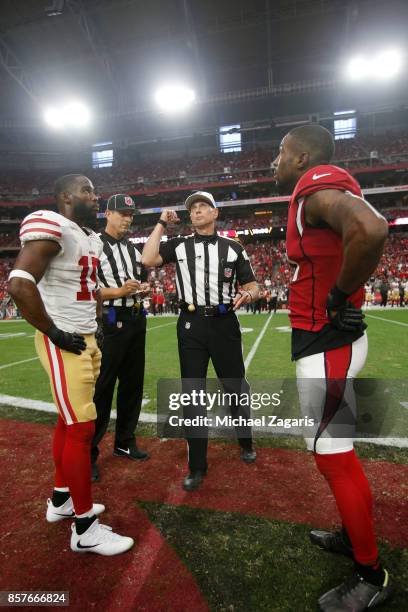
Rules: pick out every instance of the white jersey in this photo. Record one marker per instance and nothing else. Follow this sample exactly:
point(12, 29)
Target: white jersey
point(69, 284)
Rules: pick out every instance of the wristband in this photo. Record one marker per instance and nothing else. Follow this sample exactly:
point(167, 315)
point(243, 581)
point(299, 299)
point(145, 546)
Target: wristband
point(163, 223)
point(22, 274)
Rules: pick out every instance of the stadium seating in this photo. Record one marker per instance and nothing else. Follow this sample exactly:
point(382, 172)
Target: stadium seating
point(360, 151)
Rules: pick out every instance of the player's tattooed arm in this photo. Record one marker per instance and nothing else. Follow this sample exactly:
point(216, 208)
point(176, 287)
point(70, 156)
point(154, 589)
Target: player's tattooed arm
point(34, 258)
point(362, 229)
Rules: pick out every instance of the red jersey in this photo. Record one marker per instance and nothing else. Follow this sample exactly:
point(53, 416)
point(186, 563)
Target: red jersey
point(316, 252)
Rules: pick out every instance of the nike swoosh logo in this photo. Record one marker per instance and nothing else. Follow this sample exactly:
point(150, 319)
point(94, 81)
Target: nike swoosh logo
point(92, 546)
point(317, 176)
point(124, 450)
point(67, 515)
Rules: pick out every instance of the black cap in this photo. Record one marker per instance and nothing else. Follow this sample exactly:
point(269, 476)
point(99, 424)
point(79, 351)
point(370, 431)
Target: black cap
point(121, 201)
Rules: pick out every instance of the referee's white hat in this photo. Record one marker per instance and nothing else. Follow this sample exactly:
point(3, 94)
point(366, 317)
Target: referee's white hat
point(200, 195)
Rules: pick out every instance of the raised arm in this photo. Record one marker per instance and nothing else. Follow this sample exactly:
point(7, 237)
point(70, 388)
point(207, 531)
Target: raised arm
point(151, 256)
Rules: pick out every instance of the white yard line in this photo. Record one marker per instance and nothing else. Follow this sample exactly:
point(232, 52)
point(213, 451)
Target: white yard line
point(9, 365)
point(387, 320)
point(257, 342)
point(31, 404)
point(158, 326)
point(146, 417)
point(13, 335)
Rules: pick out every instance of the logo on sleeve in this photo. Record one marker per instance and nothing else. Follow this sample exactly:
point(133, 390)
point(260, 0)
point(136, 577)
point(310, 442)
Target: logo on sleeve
point(317, 176)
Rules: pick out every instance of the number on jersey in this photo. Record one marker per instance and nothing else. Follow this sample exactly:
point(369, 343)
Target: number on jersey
point(88, 275)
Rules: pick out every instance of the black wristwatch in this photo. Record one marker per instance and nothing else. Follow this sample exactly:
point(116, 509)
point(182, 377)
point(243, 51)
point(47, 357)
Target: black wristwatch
point(163, 223)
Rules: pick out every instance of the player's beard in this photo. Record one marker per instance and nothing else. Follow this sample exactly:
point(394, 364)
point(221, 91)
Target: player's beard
point(84, 216)
point(285, 187)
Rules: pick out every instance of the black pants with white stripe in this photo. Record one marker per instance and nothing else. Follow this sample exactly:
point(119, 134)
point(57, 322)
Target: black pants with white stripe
point(219, 339)
point(123, 359)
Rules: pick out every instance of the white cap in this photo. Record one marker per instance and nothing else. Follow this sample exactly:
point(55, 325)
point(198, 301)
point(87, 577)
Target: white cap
point(200, 195)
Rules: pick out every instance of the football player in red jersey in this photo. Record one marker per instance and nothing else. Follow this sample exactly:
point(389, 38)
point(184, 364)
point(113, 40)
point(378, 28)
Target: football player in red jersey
point(335, 239)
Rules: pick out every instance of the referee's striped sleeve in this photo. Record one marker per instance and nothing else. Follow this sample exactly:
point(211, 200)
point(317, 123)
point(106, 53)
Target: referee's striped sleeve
point(245, 273)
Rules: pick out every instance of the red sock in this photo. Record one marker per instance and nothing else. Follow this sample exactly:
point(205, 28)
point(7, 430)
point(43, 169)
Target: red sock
point(351, 490)
point(58, 444)
point(76, 461)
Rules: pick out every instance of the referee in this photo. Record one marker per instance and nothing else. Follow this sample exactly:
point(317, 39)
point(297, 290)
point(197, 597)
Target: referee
point(208, 270)
point(121, 278)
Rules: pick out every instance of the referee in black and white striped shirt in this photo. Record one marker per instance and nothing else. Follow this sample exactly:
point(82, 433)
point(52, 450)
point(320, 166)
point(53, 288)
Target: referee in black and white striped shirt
point(122, 278)
point(209, 269)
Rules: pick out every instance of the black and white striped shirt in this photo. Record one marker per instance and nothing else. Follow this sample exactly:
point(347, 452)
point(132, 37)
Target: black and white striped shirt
point(120, 261)
point(208, 268)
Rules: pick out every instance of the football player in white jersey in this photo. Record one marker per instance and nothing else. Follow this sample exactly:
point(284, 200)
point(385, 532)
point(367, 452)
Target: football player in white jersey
point(54, 285)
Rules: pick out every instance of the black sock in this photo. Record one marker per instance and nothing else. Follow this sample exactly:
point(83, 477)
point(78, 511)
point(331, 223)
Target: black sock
point(346, 537)
point(371, 573)
point(60, 497)
point(82, 524)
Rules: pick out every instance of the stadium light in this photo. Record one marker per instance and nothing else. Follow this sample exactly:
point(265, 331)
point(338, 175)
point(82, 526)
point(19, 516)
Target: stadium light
point(358, 68)
point(387, 64)
point(54, 118)
point(74, 114)
point(381, 66)
point(174, 98)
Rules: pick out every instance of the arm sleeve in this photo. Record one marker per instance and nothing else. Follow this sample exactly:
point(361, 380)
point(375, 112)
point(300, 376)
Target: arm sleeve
point(167, 250)
point(245, 273)
point(40, 226)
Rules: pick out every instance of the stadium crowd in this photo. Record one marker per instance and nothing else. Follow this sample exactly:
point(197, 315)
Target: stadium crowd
point(138, 175)
point(273, 273)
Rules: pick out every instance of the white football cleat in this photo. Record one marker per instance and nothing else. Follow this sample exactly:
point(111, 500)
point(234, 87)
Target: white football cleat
point(59, 513)
point(100, 539)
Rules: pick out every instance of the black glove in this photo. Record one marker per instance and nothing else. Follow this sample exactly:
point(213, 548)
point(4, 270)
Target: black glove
point(74, 343)
point(342, 314)
point(99, 334)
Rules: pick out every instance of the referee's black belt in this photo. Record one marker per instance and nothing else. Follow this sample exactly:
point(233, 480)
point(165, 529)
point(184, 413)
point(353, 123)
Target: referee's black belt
point(112, 314)
point(207, 311)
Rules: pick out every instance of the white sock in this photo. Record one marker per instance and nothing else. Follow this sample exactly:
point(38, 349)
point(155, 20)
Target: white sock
point(62, 489)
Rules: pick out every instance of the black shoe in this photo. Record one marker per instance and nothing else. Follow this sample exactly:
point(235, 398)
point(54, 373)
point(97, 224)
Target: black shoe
point(356, 595)
point(95, 476)
point(248, 455)
point(193, 480)
point(332, 541)
point(130, 452)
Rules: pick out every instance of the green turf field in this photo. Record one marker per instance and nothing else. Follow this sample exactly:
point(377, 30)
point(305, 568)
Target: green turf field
point(21, 374)
point(387, 353)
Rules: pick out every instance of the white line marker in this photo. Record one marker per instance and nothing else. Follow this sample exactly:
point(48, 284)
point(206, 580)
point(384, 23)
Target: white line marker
point(387, 320)
point(9, 365)
point(147, 417)
point(158, 326)
point(31, 404)
point(15, 335)
point(257, 342)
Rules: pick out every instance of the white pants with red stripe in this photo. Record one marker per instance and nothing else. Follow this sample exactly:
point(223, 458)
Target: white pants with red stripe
point(326, 394)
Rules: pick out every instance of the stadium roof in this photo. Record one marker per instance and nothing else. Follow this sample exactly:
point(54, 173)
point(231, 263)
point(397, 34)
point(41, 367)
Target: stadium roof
point(244, 59)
